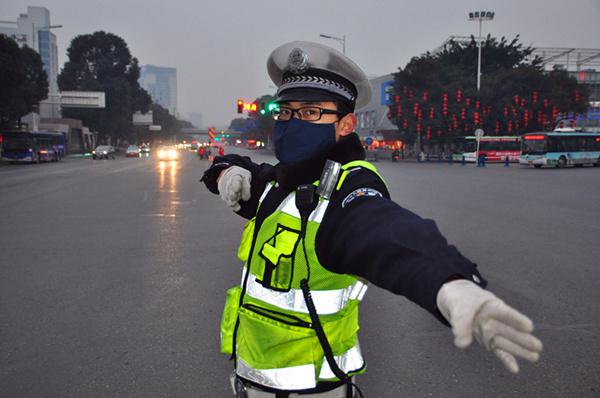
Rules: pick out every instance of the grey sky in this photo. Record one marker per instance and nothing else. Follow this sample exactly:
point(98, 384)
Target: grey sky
point(220, 47)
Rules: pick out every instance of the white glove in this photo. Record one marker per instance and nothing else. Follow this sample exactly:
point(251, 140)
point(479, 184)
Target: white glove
point(233, 185)
point(473, 311)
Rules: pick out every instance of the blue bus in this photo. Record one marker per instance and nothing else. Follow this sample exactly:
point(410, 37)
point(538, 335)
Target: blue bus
point(560, 149)
point(33, 147)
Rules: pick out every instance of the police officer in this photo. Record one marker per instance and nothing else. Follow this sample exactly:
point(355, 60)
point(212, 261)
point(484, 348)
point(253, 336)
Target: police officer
point(321, 226)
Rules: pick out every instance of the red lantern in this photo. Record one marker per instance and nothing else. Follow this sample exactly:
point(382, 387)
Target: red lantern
point(431, 113)
point(516, 98)
point(425, 96)
point(458, 95)
point(468, 102)
point(535, 97)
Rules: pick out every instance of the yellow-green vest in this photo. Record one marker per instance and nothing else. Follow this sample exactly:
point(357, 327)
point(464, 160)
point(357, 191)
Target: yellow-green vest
point(275, 344)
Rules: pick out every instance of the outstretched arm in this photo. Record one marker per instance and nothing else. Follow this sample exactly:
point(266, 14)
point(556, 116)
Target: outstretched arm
point(237, 184)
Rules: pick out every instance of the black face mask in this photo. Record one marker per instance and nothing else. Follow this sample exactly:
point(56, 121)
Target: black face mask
point(297, 140)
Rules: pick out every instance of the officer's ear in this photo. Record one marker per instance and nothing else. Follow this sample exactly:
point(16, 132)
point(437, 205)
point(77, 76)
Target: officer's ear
point(346, 124)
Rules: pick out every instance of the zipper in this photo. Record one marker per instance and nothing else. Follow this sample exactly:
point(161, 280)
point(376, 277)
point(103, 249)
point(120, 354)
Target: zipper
point(278, 316)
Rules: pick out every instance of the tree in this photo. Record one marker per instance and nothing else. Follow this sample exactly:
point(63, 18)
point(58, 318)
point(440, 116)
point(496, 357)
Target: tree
point(23, 80)
point(102, 62)
point(435, 97)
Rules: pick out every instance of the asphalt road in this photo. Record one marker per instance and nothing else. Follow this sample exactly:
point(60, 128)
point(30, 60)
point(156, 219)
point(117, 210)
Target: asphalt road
point(113, 274)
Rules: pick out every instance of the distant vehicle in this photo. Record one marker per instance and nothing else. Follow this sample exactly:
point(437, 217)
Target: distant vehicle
point(103, 152)
point(167, 153)
point(560, 149)
point(34, 147)
point(144, 150)
point(133, 151)
point(494, 148)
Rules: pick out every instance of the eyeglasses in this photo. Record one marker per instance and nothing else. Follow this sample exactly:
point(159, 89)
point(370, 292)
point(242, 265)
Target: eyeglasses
point(306, 113)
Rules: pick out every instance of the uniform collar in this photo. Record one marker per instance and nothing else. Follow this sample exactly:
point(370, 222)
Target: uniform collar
point(347, 149)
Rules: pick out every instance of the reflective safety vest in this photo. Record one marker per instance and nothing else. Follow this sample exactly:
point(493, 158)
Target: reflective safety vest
point(267, 316)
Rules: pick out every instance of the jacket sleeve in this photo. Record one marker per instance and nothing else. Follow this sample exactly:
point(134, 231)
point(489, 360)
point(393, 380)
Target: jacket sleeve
point(364, 233)
point(261, 174)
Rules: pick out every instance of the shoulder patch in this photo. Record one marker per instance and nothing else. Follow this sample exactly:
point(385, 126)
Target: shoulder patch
point(359, 193)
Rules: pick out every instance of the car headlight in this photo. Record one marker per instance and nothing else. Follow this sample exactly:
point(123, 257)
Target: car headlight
point(104, 152)
point(172, 154)
point(161, 153)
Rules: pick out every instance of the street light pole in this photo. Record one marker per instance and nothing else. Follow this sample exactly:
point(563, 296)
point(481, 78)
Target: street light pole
point(480, 16)
point(338, 39)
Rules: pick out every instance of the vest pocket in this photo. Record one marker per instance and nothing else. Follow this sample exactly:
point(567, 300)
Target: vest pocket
point(278, 252)
point(270, 339)
point(229, 318)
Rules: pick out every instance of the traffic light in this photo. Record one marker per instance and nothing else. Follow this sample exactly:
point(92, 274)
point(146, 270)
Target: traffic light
point(240, 106)
point(267, 107)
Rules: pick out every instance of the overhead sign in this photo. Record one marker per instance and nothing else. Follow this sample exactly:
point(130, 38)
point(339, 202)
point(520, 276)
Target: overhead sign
point(155, 127)
point(82, 99)
point(142, 119)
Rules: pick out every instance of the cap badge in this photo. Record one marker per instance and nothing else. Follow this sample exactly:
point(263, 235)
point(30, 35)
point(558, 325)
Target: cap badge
point(298, 61)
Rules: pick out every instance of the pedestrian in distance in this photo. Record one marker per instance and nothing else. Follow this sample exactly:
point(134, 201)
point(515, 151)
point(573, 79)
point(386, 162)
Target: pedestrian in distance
point(321, 225)
point(201, 152)
point(221, 151)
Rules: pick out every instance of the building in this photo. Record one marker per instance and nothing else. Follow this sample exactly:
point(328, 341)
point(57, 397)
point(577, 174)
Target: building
point(33, 30)
point(161, 83)
point(373, 124)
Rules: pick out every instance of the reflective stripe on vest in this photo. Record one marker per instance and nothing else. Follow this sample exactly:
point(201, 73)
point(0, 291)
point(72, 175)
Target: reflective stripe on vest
point(326, 301)
point(303, 376)
point(288, 206)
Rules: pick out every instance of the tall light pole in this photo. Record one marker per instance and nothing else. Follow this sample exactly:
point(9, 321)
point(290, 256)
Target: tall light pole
point(480, 16)
point(339, 39)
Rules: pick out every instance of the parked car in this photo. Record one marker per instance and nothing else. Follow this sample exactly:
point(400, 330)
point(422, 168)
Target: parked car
point(104, 152)
point(133, 151)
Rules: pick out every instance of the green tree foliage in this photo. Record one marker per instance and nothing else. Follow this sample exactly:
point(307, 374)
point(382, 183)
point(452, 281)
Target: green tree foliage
point(23, 81)
point(102, 62)
point(435, 96)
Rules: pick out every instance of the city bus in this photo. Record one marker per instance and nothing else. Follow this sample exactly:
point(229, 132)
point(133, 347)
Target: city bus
point(33, 147)
point(560, 149)
point(495, 148)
